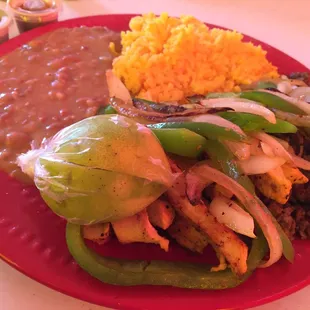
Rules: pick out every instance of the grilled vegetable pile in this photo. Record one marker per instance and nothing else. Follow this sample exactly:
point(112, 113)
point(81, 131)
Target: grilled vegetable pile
point(197, 172)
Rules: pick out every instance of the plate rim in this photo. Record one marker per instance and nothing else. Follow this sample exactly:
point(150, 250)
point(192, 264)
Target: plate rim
point(25, 37)
point(55, 25)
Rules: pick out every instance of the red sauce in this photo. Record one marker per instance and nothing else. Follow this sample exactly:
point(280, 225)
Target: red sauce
point(48, 84)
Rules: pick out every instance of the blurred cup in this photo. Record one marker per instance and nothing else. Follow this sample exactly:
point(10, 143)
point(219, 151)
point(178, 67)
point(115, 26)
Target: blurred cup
point(5, 22)
point(30, 14)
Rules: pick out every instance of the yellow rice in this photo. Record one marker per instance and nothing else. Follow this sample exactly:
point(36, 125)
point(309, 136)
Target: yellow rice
point(166, 59)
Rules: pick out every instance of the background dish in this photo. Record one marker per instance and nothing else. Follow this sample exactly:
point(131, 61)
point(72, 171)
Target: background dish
point(34, 236)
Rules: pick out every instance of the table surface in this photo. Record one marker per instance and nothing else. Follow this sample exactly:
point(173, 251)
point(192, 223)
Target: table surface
point(284, 24)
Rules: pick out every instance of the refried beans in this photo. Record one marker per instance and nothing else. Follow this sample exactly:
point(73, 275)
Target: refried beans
point(48, 84)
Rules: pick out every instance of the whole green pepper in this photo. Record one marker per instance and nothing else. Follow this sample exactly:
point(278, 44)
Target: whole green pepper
point(252, 122)
point(139, 272)
point(207, 130)
point(224, 160)
point(180, 141)
point(271, 101)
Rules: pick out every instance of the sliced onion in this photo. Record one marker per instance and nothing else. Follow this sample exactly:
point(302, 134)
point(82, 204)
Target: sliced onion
point(301, 163)
point(131, 111)
point(302, 105)
point(194, 190)
point(203, 173)
point(222, 191)
point(241, 105)
point(282, 149)
point(191, 106)
point(239, 149)
point(116, 87)
point(267, 149)
point(211, 119)
point(255, 147)
point(229, 213)
point(260, 164)
point(295, 119)
point(284, 143)
point(284, 87)
point(121, 101)
point(276, 146)
point(301, 93)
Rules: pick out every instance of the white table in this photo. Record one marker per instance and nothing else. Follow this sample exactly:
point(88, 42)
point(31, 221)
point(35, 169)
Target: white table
point(284, 24)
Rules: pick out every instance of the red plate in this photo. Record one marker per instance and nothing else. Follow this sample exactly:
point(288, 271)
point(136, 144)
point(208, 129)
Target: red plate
point(33, 238)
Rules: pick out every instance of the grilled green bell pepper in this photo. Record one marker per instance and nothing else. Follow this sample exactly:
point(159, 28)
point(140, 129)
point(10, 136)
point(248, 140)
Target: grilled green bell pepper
point(224, 160)
point(259, 85)
point(180, 141)
point(271, 101)
point(288, 249)
point(139, 272)
point(252, 122)
point(265, 84)
point(207, 130)
point(221, 95)
point(267, 99)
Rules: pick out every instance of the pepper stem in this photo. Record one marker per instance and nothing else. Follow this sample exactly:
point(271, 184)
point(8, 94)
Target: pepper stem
point(28, 160)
